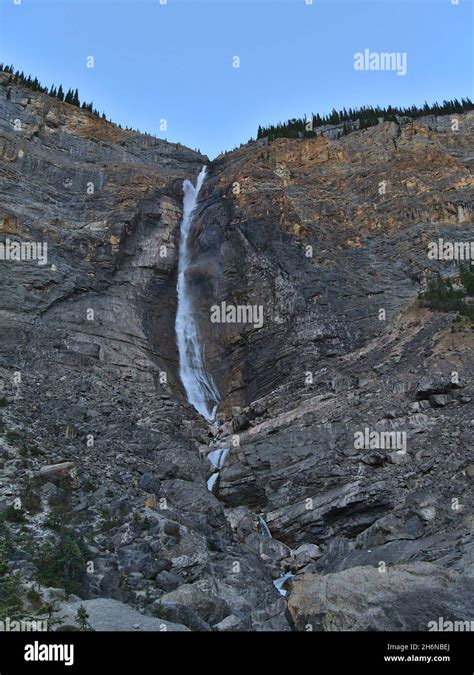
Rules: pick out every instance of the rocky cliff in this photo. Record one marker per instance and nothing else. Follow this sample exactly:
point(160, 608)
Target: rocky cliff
point(328, 236)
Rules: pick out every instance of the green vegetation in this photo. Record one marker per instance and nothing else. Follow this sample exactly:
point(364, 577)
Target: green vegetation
point(34, 598)
point(30, 499)
point(71, 96)
point(10, 602)
point(13, 515)
point(82, 618)
point(61, 515)
point(61, 560)
point(467, 278)
point(62, 563)
point(159, 612)
point(359, 118)
point(12, 594)
point(444, 296)
point(141, 523)
point(28, 451)
point(13, 436)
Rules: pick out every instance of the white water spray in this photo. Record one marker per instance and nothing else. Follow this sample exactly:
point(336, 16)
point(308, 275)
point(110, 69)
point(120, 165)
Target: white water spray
point(199, 386)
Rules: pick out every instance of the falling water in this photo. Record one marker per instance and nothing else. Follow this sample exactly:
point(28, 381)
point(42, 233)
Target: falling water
point(264, 526)
point(199, 386)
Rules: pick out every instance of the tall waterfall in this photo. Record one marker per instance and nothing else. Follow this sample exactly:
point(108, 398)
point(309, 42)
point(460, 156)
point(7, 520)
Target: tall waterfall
point(199, 386)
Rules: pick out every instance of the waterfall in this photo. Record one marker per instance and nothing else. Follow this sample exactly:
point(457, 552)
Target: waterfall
point(281, 581)
point(199, 386)
point(217, 457)
point(264, 526)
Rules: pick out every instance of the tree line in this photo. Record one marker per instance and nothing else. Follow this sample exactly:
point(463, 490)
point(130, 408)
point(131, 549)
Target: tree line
point(70, 96)
point(359, 118)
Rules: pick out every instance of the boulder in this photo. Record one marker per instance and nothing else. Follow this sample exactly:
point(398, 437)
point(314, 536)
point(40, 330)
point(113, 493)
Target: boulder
point(208, 607)
point(105, 614)
point(403, 598)
point(436, 384)
point(58, 470)
point(176, 612)
point(305, 554)
point(439, 400)
point(149, 483)
point(240, 423)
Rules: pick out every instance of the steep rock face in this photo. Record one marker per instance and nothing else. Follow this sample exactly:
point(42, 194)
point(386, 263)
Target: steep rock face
point(345, 346)
point(108, 204)
point(321, 234)
point(89, 364)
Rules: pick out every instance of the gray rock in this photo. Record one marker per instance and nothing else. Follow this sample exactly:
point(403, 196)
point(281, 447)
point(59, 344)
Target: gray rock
point(229, 624)
point(110, 615)
point(96, 382)
point(174, 611)
point(405, 597)
point(439, 400)
point(168, 581)
point(240, 423)
point(209, 608)
point(305, 554)
point(150, 484)
point(436, 384)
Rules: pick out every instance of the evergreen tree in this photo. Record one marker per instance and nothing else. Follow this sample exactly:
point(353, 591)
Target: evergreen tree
point(367, 116)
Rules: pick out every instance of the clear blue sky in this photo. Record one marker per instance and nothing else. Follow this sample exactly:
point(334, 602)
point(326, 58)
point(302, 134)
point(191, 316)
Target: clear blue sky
point(174, 61)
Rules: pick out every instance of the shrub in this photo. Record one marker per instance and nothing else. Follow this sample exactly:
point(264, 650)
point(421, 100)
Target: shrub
point(13, 515)
point(443, 296)
point(62, 564)
point(30, 499)
point(10, 602)
point(467, 278)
